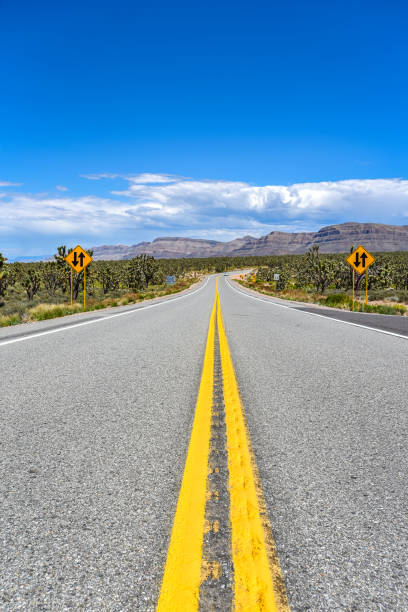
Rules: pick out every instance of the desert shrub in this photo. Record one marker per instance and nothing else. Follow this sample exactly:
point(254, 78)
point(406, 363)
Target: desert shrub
point(337, 300)
point(142, 271)
point(391, 309)
point(319, 270)
point(131, 298)
point(52, 311)
point(4, 277)
point(107, 277)
point(7, 320)
point(32, 283)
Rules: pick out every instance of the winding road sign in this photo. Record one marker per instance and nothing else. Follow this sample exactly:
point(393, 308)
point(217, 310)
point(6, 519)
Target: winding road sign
point(360, 260)
point(78, 259)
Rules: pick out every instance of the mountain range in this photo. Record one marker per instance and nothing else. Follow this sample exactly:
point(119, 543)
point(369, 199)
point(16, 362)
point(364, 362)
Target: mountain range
point(331, 239)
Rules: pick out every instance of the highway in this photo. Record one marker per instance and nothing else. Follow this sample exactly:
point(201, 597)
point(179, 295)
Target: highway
point(98, 416)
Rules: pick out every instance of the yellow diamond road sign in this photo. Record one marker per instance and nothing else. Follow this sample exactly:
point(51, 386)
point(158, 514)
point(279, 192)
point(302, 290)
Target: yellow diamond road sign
point(78, 259)
point(360, 259)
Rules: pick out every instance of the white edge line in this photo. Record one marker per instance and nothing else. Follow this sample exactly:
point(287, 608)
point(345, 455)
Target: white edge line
point(315, 314)
point(118, 314)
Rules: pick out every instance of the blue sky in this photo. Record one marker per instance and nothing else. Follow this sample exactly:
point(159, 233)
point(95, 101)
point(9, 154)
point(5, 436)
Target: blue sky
point(251, 117)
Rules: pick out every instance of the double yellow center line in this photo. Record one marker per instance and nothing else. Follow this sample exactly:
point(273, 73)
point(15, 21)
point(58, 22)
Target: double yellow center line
point(257, 581)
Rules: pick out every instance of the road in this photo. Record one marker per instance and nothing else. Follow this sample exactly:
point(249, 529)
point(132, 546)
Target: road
point(97, 419)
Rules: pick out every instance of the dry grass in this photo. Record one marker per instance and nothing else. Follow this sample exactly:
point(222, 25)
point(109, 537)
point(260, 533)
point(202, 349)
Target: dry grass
point(52, 311)
point(7, 320)
point(338, 300)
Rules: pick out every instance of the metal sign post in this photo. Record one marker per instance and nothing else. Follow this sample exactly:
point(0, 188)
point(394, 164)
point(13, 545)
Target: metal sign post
point(367, 286)
point(352, 303)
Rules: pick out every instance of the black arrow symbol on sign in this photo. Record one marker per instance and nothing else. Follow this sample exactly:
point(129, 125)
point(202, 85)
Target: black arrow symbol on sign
point(357, 261)
point(81, 258)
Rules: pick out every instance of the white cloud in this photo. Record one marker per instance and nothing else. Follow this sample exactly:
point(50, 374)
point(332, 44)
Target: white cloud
point(61, 188)
point(147, 177)
point(9, 184)
point(97, 177)
point(143, 178)
point(371, 200)
point(61, 215)
point(158, 204)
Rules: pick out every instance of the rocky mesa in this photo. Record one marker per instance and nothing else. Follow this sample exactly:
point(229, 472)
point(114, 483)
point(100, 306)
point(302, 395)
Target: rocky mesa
point(331, 239)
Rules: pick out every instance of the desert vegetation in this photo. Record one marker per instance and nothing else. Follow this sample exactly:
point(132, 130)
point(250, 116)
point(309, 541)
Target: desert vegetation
point(41, 290)
point(328, 280)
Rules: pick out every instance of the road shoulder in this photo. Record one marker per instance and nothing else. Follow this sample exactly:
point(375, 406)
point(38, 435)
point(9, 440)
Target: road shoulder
point(386, 323)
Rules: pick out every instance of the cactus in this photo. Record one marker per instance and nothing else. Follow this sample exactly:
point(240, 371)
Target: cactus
point(4, 277)
point(31, 283)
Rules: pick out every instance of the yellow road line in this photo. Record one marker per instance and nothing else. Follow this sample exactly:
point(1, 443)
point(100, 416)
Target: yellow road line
point(258, 583)
point(182, 572)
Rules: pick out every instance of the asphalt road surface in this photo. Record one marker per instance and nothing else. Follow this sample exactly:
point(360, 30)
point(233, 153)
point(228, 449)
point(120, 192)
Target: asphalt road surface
point(96, 414)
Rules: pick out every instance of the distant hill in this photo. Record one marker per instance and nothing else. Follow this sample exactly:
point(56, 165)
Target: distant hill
point(331, 239)
point(29, 259)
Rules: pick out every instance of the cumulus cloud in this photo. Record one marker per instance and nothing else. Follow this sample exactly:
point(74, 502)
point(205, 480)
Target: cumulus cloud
point(61, 188)
point(199, 201)
point(62, 215)
point(158, 204)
